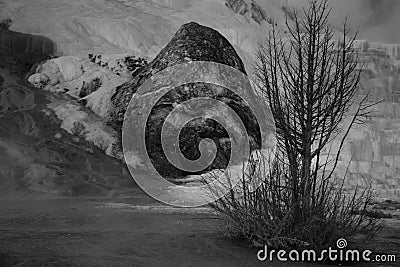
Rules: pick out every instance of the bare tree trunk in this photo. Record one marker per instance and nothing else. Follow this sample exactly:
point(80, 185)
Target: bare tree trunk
point(310, 81)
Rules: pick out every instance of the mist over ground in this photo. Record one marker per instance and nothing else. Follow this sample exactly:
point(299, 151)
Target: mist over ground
point(377, 20)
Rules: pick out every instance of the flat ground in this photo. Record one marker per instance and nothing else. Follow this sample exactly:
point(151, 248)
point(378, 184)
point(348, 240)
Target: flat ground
point(131, 232)
point(67, 232)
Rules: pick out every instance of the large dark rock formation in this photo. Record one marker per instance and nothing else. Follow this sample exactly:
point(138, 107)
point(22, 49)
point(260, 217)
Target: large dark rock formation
point(192, 42)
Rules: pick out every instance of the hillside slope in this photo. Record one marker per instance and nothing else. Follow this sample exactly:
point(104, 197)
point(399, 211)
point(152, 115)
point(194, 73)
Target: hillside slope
point(140, 27)
point(39, 158)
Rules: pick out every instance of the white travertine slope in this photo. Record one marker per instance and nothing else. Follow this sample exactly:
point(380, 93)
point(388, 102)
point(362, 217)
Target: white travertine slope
point(371, 153)
point(70, 74)
point(140, 27)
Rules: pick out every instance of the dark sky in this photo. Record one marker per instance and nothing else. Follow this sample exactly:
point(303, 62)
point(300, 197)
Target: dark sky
point(379, 20)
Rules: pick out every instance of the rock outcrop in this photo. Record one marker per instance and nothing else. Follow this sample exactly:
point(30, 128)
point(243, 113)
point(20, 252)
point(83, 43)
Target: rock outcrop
point(38, 157)
point(391, 50)
point(250, 9)
point(88, 82)
point(372, 151)
point(26, 47)
point(193, 42)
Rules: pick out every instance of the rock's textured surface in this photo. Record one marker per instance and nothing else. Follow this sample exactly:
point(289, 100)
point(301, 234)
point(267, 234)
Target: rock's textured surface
point(119, 64)
point(238, 6)
point(81, 79)
point(372, 151)
point(391, 50)
point(81, 123)
point(70, 74)
point(90, 84)
point(250, 9)
point(192, 42)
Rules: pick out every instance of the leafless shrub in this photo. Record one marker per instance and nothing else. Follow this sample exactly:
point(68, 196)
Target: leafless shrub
point(266, 215)
point(310, 81)
point(5, 23)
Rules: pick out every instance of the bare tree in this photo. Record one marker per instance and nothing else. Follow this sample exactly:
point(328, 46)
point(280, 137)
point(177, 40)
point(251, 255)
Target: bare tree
point(310, 80)
point(310, 77)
